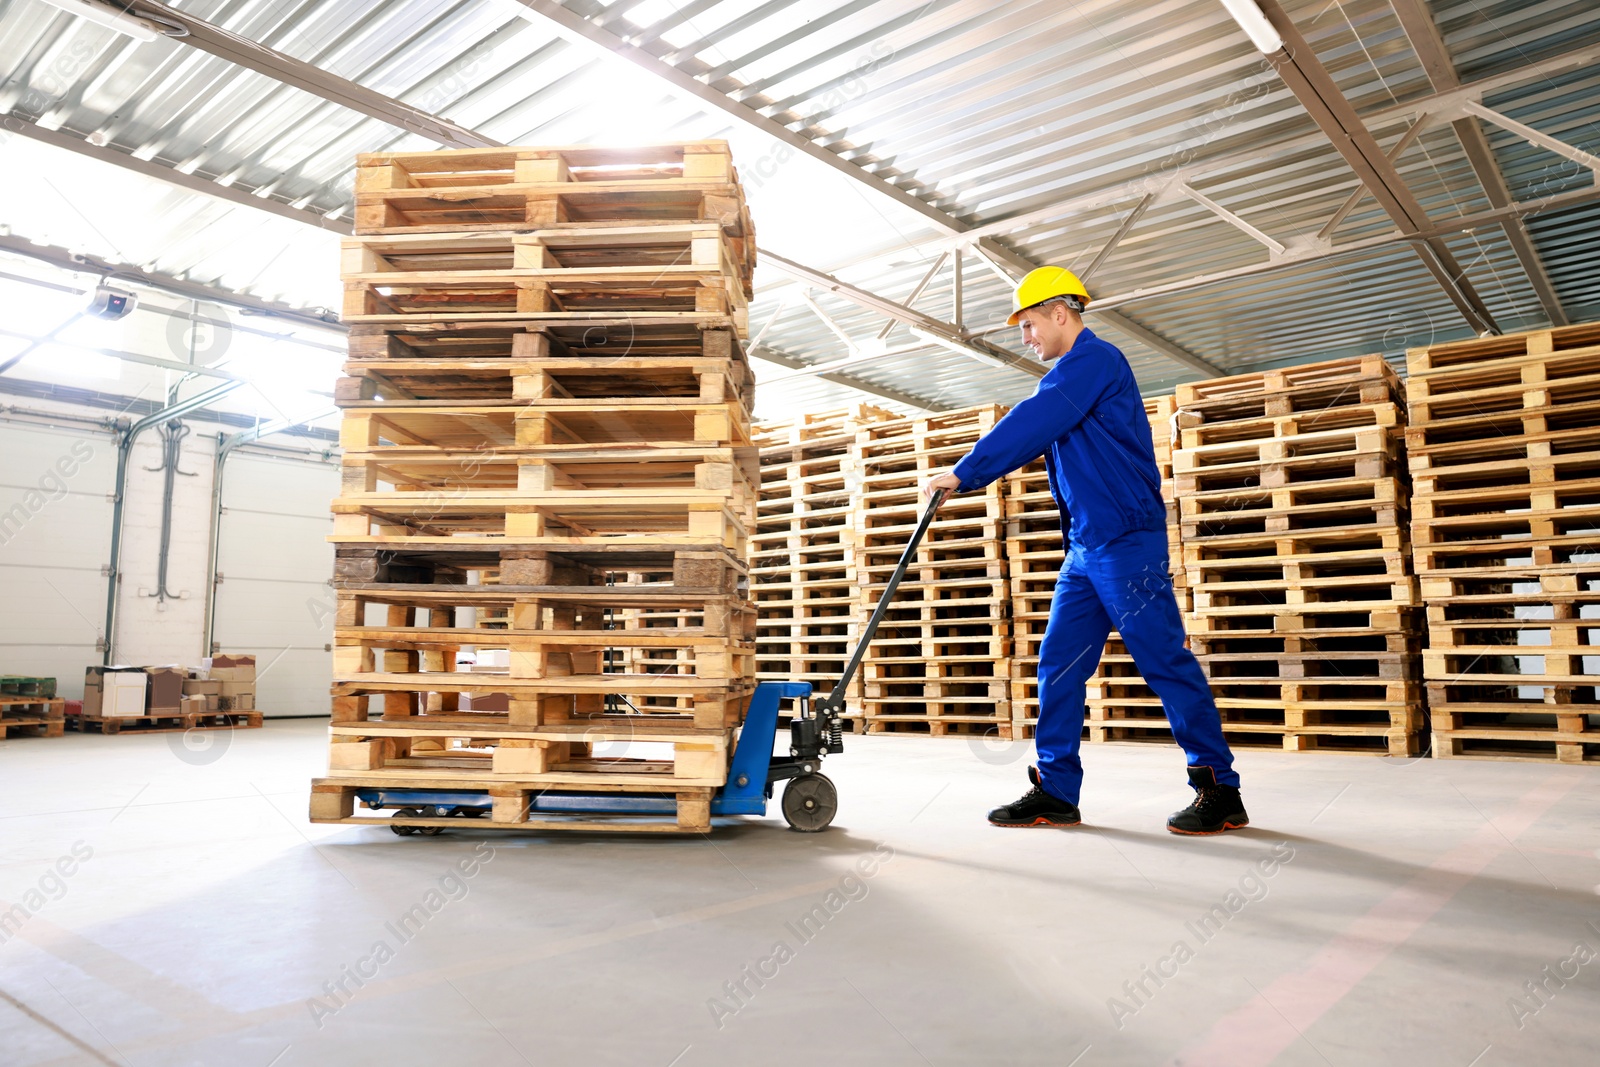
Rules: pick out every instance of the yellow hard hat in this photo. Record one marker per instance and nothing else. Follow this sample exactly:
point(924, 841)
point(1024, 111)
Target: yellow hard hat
point(1045, 283)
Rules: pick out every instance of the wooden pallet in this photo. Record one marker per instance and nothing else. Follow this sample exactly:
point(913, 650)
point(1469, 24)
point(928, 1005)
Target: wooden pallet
point(12, 727)
point(18, 685)
point(495, 422)
point(335, 801)
point(1500, 452)
point(501, 189)
point(575, 336)
point(1308, 471)
point(609, 376)
point(611, 253)
point(1406, 638)
point(31, 714)
point(33, 706)
point(1361, 416)
point(506, 568)
point(1491, 743)
point(555, 755)
point(165, 722)
point(380, 297)
point(944, 725)
point(1116, 727)
point(1318, 594)
point(1306, 381)
point(1534, 345)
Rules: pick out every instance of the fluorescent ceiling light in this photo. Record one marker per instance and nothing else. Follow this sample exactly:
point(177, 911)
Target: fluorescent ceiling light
point(1247, 13)
point(110, 17)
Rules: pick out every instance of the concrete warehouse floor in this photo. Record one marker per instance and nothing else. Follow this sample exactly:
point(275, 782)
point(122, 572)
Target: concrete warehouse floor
point(1381, 912)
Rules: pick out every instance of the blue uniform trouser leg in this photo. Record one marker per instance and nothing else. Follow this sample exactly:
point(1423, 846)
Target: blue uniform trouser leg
point(1073, 640)
point(1132, 577)
point(1125, 585)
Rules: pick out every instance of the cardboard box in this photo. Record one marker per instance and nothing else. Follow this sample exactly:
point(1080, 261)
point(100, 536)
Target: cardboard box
point(166, 688)
point(110, 692)
point(491, 702)
point(234, 659)
point(194, 705)
point(201, 687)
point(232, 674)
point(241, 701)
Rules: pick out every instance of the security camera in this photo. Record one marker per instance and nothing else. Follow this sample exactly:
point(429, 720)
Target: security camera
point(109, 303)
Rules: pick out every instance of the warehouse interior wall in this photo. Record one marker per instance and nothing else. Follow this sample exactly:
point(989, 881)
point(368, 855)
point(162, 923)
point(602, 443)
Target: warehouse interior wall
point(64, 405)
point(55, 534)
point(273, 567)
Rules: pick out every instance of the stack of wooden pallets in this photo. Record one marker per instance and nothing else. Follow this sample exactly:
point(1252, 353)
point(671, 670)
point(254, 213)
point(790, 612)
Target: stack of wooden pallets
point(802, 554)
point(1117, 693)
point(1035, 554)
point(548, 465)
point(939, 664)
point(29, 707)
point(1504, 448)
point(1293, 498)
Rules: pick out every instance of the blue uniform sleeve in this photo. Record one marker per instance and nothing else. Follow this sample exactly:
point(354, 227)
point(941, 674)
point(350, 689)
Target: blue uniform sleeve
point(1065, 398)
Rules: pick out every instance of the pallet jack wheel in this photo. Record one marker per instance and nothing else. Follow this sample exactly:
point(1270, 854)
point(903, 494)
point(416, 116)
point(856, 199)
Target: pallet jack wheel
point(810, 803)
point(407, 813)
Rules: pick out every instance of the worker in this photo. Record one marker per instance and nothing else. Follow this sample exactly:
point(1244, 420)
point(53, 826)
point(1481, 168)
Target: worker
point(1087, 420)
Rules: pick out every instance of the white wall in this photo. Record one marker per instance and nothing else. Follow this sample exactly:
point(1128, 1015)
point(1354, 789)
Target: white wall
point(151, 630)
point(55, 531)
point(274, 600)
point(55, 537)
point(275, 562)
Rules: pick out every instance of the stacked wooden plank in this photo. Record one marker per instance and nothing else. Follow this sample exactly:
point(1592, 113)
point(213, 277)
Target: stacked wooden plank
point(1117, 694)
point(802, 554)
point(939, 663)
point(1292, 496)
point(1035, 554)
point(1504, 452)
point(548, 464)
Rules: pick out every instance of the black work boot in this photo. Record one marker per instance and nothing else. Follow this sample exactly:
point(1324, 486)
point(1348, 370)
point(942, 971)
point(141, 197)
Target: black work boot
point(1036, 808)
point(1216, 807)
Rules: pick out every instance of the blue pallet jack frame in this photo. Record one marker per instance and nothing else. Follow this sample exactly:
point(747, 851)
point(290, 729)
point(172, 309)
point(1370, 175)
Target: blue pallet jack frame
point(810, 800)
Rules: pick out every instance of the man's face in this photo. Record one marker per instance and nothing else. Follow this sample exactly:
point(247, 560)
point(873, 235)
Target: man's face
point(1044, 329)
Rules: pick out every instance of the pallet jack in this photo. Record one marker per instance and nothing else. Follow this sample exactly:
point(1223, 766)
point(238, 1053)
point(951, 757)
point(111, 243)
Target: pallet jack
point(810, 800)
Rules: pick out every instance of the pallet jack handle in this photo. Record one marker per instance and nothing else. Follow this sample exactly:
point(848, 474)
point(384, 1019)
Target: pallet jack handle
point(833, 704)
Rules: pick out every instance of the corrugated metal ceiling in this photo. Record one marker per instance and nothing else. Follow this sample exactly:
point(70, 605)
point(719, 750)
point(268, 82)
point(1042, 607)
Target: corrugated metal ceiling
point(988, 110)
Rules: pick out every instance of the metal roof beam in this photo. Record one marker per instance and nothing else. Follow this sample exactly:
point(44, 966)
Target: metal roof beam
point(1534, 137)
point(1428, 44)
point(916, 291)
point(172, 176)
point(936, 331)
point(1110, 246)
point(1305, 256)
point(594, 34)
point(1163, 184)
point(1004, 261)
point(314, 80)
point(886, 392)
point(1236, 221)
point(1322, 99)
point(86, 264)
point(1394, 153)
point(589, 32)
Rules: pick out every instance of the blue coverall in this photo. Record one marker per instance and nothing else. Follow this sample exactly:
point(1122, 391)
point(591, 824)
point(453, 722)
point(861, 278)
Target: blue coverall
point(1088, 421)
